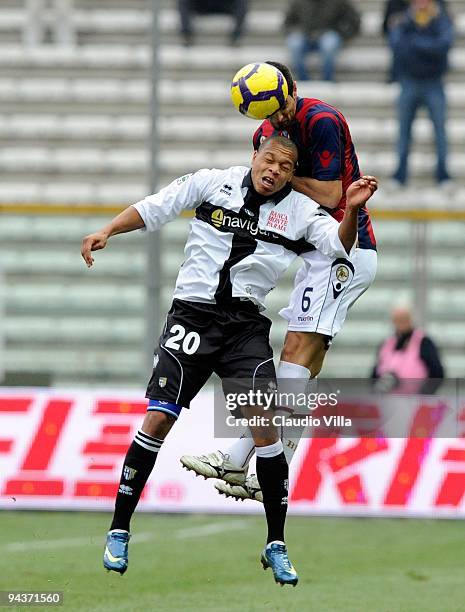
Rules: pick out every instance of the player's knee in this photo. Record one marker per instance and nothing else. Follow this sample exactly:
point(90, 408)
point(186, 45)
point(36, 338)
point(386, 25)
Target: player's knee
point(158, 424)
point(293, 345)
point(263, 439)
point(302, 348)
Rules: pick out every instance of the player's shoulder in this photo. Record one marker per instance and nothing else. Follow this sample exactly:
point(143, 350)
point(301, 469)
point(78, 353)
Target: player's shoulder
point(302, 205)
point(233, 173)
point(220, 174)
point(313, 108)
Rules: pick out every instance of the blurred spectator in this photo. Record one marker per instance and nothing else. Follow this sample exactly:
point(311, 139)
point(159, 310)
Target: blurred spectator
point(421, 40)
point(409, 356)
point(236, 8)
point(54, 16)
point(393, 12)
point(322, 26)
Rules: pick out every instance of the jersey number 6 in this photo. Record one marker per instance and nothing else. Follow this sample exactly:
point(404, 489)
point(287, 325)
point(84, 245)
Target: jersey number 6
point(191, 341)
point(306, 299)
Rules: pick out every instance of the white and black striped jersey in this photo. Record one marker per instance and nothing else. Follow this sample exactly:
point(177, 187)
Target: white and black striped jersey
point(239, 242)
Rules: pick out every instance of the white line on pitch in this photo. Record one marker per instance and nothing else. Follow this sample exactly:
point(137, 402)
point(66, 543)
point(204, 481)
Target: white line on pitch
point(190, 532)
point(64, 542)
point(210, 529)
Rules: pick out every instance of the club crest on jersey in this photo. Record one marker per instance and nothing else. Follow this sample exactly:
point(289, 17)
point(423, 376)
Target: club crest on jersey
point(217, 217)
point(129, 472)
point(342, 273)
point(162, 381)
point(326, 158)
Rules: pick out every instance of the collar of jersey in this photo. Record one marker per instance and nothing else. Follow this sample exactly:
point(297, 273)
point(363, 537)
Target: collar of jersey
point(275, 198)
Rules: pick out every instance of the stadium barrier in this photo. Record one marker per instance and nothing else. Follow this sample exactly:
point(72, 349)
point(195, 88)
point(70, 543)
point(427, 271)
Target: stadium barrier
point(63, 449)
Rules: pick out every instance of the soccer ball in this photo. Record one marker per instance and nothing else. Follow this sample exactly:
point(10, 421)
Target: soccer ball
point(258, 90)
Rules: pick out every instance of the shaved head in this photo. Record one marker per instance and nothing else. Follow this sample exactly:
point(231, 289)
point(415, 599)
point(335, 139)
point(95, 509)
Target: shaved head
point(286, 143)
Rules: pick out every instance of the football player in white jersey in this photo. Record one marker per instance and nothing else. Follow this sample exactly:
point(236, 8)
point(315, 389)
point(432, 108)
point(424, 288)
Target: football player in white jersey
point(235, 254)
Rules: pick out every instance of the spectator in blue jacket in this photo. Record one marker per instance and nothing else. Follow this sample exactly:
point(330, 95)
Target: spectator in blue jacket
point(421, 41)
point(393, 12)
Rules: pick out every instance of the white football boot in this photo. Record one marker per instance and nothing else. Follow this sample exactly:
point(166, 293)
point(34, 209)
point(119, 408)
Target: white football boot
point(249, 490)
point(215, 465)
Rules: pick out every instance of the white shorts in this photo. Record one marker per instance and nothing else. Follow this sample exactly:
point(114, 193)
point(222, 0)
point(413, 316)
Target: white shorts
point(325, 289)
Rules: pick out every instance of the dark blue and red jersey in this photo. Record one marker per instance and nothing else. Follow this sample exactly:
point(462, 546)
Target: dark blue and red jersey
point(326, 153)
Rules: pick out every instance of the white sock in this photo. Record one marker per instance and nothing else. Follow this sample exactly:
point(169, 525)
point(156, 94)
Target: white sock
point(275, 542)
point(292, 378)
point(272, 450)
point(241, 451)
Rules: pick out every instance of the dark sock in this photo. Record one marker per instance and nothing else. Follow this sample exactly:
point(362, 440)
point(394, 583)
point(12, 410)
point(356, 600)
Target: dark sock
point(137, 467)
point(273, 475)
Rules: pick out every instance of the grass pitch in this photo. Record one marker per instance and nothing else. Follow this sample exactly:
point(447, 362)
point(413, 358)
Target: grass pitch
point(195, 563)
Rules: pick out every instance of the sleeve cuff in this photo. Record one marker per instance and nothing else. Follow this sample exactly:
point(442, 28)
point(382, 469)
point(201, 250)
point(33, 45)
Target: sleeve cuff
point(140, 207)
point(340, 249)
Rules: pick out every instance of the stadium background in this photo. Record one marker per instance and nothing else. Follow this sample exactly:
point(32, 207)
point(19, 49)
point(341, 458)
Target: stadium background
point(75, 128)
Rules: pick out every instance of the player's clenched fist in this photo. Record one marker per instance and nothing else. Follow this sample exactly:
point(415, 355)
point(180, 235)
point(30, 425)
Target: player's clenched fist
point(93, 242)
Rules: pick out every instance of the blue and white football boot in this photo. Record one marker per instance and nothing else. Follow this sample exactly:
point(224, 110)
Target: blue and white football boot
point(275, 556)
point(115, 557)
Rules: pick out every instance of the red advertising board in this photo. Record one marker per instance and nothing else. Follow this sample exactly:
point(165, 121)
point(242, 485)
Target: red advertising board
point(63, 449)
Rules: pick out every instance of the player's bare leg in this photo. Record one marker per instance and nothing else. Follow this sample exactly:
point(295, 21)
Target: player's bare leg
point(138, 465)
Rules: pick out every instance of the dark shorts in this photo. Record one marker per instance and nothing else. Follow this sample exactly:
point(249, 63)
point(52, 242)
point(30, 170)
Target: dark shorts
point(199, 339)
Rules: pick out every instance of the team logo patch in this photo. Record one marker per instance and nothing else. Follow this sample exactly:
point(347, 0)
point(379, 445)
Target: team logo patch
point(162, 381)
point(182, 179)
point(341, 276)
point(342, 273)
point(217, 217)
point(129, 472)
point(227, 189)
point(326, 158)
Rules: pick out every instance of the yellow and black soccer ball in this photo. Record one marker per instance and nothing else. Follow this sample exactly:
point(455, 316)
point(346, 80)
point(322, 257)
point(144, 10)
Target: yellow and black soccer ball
point(259, 90)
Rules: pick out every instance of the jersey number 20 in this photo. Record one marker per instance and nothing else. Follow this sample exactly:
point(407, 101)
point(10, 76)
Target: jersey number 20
point(190, 341)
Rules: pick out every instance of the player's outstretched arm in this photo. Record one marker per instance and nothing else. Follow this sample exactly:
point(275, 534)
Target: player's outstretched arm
point(357, 196)
point(126, 221)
